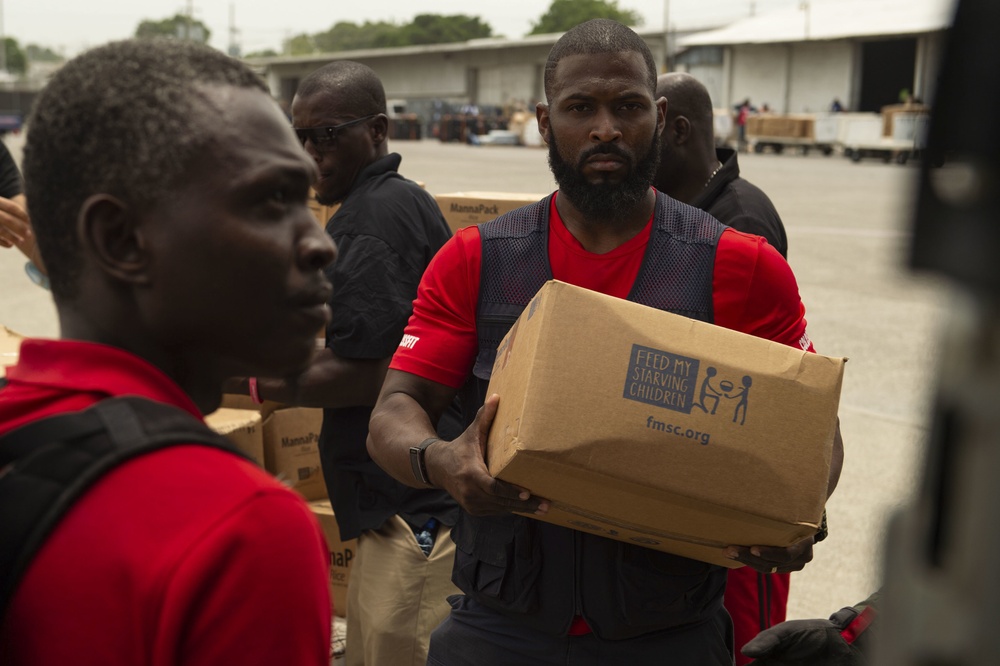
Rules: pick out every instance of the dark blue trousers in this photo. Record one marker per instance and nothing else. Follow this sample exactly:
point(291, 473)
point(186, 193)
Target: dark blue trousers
point(474, 635)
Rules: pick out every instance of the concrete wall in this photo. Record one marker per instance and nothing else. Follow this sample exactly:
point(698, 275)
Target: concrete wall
point(760, 72)
point(821, 71)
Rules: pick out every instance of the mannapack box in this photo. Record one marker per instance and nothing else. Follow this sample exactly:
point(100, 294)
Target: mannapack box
point(655, 429)
point(465, 209)
point(242, 427)
point(341, 555)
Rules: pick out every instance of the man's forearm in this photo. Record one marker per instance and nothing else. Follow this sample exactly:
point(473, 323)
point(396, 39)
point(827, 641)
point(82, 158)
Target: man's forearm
point(398, 423)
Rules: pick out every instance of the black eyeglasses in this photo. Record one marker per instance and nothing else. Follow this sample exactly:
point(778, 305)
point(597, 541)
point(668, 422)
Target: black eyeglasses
point(326, 137)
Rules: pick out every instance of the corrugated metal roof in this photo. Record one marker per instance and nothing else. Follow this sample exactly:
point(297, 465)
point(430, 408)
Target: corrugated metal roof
point(832, 19)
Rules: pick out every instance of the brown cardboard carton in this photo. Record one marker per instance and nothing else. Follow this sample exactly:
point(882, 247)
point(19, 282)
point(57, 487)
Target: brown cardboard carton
point(656, 429)
point(243, 427)
point(464, 209)
point(341, 555)
point(291, 449)
point(10, 347)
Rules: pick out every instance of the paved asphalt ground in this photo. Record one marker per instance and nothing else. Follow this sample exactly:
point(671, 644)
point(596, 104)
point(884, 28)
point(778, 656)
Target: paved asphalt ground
point(848, 230)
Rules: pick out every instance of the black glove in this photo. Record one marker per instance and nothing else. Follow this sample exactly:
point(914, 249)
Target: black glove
point(802, 643)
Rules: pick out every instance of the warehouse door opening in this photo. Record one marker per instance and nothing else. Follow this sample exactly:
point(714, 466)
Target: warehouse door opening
point(887, 68)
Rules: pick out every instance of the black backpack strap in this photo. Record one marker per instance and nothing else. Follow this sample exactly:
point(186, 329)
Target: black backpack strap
point(47, 465)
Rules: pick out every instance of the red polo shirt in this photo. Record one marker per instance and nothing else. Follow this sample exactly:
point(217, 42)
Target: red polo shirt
point(188, 555)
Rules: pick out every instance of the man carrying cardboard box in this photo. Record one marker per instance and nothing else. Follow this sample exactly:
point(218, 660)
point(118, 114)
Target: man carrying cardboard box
point(694, 171)
point(165, 248)
point(537, 593)
point(387, 228)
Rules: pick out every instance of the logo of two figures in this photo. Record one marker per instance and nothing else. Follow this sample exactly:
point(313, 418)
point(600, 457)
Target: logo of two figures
point(712, 393)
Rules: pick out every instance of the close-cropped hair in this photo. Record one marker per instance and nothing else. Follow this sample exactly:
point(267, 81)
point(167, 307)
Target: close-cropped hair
point(124, 119)
point(357, 85)
point(594, 37)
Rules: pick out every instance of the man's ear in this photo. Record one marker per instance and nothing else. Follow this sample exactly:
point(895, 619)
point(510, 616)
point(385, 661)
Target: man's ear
point(661, 115)
point(379, 129)
point(111, 236)
point(681, 127)
point(542, 114)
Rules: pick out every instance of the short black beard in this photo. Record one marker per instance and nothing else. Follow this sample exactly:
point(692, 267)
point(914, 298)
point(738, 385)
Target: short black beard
point(605, 201)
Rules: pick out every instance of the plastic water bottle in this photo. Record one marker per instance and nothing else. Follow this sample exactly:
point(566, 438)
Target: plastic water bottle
point(425, 537)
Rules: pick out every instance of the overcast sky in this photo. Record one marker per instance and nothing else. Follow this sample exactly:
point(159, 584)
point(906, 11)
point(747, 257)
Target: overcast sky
point(69, 26)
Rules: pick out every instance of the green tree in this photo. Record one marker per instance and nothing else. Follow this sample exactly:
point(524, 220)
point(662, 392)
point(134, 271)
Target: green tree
point(423, 29)
point(15, 60)
point(179, 26)
point(564, 14)
point(437, 29)
point(346, 36)
point(37, 53)
point(299, 45)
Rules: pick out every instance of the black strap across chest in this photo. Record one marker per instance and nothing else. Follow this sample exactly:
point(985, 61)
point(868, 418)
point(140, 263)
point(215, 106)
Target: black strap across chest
point(49, 464)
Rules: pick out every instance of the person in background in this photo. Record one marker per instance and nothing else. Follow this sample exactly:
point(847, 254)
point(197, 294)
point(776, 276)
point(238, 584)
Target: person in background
point(178, 258)
point(387, 229)
point(533, 592)
point(15, 227)
point(694, 171)
point(742, 117)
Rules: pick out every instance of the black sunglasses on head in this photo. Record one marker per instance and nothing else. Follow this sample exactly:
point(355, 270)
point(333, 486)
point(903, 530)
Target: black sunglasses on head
point(326, 136)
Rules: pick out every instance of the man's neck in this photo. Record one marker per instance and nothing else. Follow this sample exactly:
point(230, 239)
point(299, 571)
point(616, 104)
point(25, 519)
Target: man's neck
point(603, 235)
point(694, 180)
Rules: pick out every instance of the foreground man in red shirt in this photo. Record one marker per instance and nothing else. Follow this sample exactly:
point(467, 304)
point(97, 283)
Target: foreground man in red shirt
point(168, 194)
point(536, 593)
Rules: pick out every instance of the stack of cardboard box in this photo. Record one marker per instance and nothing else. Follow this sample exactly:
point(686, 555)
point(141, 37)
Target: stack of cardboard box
point(289, 440)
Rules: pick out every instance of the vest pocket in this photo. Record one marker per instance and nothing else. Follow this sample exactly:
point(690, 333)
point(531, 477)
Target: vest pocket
point(662, 590)
point(497, 561)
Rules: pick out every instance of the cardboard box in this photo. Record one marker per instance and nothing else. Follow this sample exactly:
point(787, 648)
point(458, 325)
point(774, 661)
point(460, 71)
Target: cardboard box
point(464, 209)
point(341, 555)
point(243, 427)
point(291, 449)
point(656, 429)
point(10, 348)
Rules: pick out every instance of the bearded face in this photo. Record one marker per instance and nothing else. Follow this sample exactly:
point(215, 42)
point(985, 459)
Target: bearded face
point(604, 197)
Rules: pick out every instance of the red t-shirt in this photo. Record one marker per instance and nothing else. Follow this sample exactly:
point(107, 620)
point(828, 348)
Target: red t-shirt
point(188, 555)
point(753, 291)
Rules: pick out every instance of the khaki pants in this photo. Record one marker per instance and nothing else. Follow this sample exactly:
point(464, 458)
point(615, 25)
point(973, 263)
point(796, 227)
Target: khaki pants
point(396, 596)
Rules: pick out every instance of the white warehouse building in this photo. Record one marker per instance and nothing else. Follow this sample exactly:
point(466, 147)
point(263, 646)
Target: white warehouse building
point(796, 59)
point(863, 53)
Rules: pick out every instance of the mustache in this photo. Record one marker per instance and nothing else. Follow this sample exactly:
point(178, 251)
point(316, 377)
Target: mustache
point(605, 149)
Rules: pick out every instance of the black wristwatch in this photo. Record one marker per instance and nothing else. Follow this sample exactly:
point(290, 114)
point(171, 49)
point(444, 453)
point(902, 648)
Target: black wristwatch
point(417, 463)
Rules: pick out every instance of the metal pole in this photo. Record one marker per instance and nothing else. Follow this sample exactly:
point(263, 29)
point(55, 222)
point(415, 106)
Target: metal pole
point(3, 42)
point(666, 35)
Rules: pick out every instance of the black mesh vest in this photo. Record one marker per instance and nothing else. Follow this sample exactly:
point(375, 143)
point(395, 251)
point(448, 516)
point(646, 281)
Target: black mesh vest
point(542, 573)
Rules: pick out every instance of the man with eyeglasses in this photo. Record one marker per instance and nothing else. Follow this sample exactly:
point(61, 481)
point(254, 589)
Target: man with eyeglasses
point(387, 229)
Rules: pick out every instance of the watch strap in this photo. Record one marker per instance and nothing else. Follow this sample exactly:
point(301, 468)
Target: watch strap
point(417, 463)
